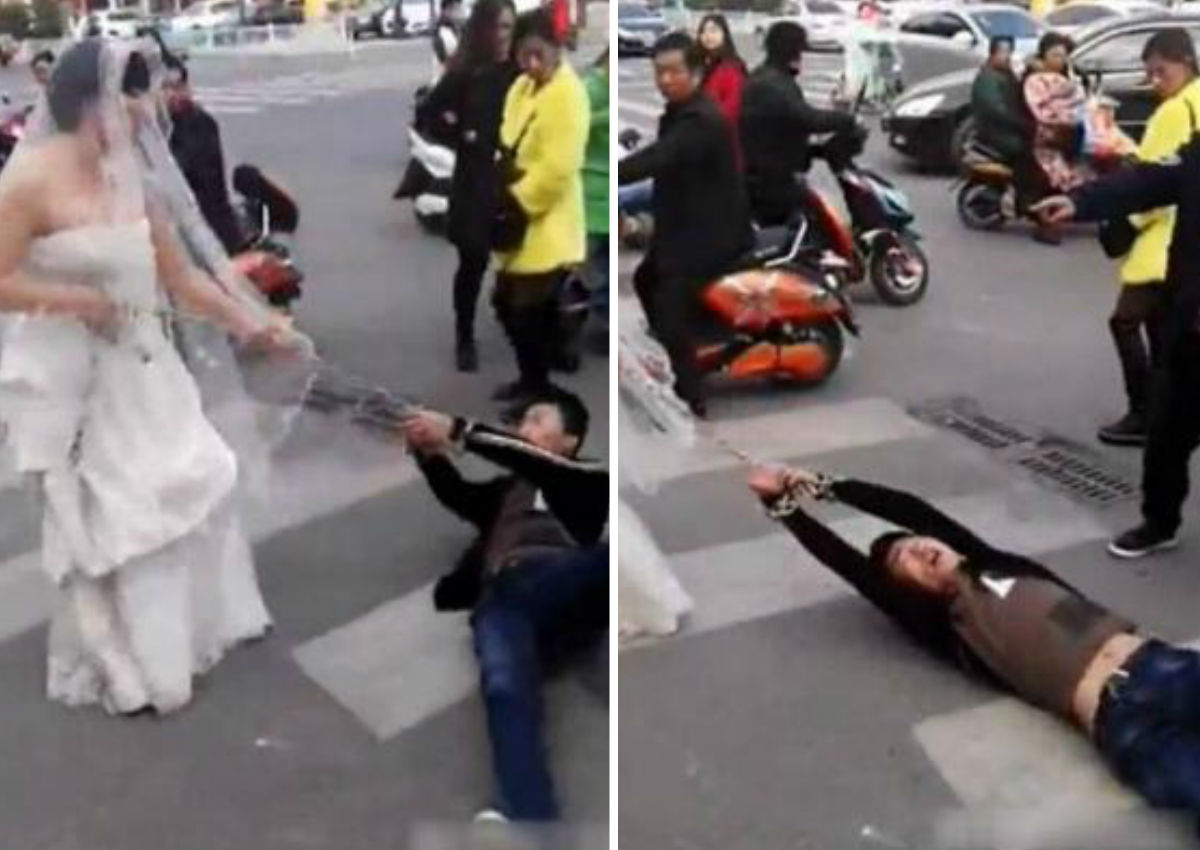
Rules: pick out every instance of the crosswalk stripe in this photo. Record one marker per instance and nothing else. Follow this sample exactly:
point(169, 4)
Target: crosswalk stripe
point(753, 579)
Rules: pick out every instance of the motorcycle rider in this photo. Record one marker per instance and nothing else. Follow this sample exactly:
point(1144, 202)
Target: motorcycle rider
point(776, 123)
point(701, 220)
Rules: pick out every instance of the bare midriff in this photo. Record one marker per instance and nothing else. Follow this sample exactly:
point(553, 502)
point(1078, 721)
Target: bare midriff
point(1112, 655)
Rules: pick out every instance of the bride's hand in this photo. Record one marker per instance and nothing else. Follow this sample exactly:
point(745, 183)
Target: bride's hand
point(275, 336)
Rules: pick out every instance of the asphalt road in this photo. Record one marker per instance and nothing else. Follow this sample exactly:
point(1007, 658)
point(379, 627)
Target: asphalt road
point(355, 724)
point(788, 713)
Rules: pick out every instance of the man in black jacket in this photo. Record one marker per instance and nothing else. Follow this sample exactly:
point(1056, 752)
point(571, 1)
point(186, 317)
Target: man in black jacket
point(1174, 426)
point(536, 576)
point(196, 145)
point(701, 221)
point(775, 125)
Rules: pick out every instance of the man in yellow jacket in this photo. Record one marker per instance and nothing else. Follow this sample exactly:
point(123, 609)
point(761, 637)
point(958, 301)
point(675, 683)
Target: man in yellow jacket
point(546, 118)
point(1170, 60)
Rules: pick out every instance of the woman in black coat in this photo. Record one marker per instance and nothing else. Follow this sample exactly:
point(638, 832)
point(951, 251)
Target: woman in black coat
point(469, 101)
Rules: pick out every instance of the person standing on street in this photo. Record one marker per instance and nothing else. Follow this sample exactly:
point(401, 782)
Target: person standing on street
point(1170, 60)
point(544, 134)
point(724, 70)
point(446, 34)
point(595, 183)
point(1173, 429)
point(469, 101)
point(776, 123)
point(701, 218)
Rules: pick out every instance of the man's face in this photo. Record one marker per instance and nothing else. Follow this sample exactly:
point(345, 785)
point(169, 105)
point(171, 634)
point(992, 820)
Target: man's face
point(542, 425)
point(925, 563)
point(538, 58)
point(41, 72)
point(1001, 58)
point(176, 92)
point(676, 81)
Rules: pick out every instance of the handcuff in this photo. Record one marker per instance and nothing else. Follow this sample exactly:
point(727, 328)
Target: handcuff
point(793, 496)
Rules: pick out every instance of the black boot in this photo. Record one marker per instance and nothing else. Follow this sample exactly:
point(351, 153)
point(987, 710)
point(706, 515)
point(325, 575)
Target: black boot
point(1129, 430)
point(466, 356)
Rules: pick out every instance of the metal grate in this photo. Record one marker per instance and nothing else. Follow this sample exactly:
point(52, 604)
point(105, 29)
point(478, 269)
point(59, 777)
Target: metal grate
point(1075, 470)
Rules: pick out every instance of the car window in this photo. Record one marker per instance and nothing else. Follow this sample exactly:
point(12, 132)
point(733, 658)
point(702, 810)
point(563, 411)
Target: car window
point(123, 16)
point(1073, 16)
point(824, 7)
point(222, 8)
point(940, 25)
point(1121, 52)
point(1006, 22)
point(626, 10)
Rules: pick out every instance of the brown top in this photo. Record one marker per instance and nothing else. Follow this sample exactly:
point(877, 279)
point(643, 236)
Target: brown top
point(1035, 635)
point(522, 528)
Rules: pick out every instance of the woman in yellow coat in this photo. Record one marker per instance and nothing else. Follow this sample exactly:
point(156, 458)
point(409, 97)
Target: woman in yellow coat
point(546, 118)
point(1136, 323)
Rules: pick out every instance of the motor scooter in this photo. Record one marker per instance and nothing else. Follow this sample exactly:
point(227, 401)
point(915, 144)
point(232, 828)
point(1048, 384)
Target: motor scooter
point(270, 219)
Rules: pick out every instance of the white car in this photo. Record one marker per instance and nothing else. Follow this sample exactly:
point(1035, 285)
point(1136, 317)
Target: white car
point(1078, 15)
point(970, 28)
point(824, 20)
point(207, 15)
point(111, 23)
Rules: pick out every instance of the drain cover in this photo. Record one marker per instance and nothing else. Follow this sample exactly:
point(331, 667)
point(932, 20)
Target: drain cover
point(1073, 469)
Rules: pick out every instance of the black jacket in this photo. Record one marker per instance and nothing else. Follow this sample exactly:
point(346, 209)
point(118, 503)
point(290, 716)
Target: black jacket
point(1001, 117)
point(196, 146)
point(701, 219)
point(575, 492)
point(1174, 182)
point(476, 100)
point(775, 126)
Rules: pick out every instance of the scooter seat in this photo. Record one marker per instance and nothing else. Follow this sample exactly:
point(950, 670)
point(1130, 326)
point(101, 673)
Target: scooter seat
point(769, 243)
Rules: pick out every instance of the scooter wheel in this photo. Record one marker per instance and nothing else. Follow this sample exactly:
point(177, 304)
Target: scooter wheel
point(899, 271)
point(981, 206)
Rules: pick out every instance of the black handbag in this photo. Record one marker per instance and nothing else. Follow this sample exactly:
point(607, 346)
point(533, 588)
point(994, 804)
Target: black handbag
point(510, 222)
point(1117, 235)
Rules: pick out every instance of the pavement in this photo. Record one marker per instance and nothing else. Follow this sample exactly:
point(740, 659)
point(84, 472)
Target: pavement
point(355, 725)
point(788, 713)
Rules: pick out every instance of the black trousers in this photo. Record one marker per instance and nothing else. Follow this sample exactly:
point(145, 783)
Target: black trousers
point(672, 309)
point(1137, 330)
point(1174, 430)
point(527, 307)
point(468, 282)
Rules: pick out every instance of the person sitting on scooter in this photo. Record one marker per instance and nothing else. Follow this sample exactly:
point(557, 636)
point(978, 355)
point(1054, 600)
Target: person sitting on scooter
point(196, 145)
point(775, 125)
point(701, 220)
point(1004, 128)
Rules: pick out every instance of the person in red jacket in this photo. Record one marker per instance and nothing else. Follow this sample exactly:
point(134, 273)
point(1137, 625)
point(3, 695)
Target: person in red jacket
point(724, 70)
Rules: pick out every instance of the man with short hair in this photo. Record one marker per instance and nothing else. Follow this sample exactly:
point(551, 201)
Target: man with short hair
point(536, 577)
point(701, 218)
point(196, 145)
point(776, 124)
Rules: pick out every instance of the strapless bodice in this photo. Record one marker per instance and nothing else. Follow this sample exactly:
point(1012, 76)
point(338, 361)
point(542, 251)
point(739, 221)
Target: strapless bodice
point(117, 258)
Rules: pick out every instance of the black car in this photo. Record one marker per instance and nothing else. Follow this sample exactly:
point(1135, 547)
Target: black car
point(931, 123)
point(638, 27)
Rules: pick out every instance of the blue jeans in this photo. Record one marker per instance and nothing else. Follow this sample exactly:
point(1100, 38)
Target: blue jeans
point(1148, 726)
point(534, 613)
point(635, 198)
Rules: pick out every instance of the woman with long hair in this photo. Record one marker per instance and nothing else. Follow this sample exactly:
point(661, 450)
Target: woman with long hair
point(469, 100)
point(724, 71)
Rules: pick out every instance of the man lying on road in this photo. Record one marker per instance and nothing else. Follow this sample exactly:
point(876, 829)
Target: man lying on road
point(1017, 624)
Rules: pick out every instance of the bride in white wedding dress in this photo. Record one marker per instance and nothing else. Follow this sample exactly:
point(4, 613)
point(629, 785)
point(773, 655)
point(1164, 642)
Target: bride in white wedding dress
point(140, 533)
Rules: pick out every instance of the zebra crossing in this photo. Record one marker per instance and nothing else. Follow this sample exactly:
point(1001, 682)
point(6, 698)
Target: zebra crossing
point(253, 96)
point(749, 578)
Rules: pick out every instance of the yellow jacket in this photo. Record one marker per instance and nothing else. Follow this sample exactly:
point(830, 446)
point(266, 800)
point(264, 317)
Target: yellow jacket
point(550, 160)
point(1170, 126)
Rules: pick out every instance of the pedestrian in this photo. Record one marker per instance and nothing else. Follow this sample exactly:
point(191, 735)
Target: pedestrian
point(469, 102)
point(544, 135)
point(1173, 428)
point(1137, 321)
point(595, 183)
point(1013, 623)
point(447, 31)
point(536, 578)
point(701, 217)
point(724, 71)
point(40, 66)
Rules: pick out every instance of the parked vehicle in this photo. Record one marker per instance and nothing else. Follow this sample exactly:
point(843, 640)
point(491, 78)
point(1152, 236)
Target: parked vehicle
point(111, 23)
point(638, 27)
point(931, 122)
point(207, 15)
point(377, 19)
point(825, 21)
point(277, 12)
point(1080, 15)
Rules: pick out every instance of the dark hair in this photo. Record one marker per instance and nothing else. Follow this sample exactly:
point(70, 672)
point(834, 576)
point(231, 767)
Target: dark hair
point(1052, 40)
point(136, 79)
point(42, 56)
point(536, 23)
point(570, 407)
point(728, 49)
point(998, 41)
point(174, 65)
point(74, 84)
point(881, 547)
point(784, 43)
point(685, 44)
point(478, 46)
point(1173, 44)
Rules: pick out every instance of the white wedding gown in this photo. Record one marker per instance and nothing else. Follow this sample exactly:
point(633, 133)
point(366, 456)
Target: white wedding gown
point(140, 533)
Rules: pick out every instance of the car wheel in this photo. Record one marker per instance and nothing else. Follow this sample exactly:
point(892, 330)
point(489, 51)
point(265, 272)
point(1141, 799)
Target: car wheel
point(962, 138)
